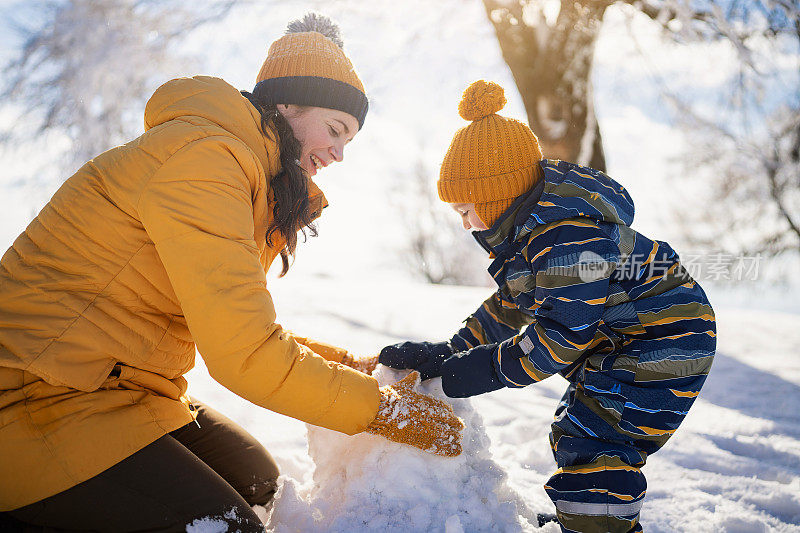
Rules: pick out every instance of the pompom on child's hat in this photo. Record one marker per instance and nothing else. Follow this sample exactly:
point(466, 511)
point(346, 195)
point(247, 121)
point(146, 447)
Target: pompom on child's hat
point(491, 161)
point(481, 99)
point(307, 66)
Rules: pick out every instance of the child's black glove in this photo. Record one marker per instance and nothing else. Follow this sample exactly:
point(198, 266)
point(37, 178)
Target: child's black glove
point(424, 357)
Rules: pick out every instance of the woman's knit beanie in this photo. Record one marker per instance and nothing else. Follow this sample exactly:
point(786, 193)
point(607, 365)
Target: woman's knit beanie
point(308, 67)
point(491, 161)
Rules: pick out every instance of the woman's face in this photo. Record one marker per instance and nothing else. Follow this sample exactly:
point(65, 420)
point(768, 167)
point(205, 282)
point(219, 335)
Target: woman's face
point(322, 133)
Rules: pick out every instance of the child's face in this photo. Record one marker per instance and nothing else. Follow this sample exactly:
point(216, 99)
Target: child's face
point(469, 218)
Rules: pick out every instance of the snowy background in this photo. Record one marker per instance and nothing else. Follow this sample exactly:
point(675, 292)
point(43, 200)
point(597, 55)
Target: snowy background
point(735, 464)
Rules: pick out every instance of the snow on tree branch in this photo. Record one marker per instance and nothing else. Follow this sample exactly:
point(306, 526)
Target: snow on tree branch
point(86, 66)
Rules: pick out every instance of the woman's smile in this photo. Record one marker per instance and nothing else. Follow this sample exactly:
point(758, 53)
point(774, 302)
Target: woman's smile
point(317, 161)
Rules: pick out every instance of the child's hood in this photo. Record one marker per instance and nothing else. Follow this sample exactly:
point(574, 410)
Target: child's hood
point(572, 190)
point(567, 191)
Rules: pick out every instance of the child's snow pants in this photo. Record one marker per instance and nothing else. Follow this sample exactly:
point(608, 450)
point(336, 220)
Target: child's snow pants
point(603, 432)
point(598, 486)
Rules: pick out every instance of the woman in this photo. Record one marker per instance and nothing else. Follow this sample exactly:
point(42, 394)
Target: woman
point(156, 247)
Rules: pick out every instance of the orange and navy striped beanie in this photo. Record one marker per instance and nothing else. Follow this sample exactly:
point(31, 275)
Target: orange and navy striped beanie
point(307, 66)
point(491, 161)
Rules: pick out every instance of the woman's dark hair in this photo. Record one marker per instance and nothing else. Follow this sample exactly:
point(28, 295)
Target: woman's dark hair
point(291, 212)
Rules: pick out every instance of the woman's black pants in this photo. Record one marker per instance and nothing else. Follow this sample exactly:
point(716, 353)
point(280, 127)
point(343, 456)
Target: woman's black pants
point(213, 472)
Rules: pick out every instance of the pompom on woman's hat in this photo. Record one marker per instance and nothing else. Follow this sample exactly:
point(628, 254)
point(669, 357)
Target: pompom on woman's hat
point(307, 66)
point(491, 161)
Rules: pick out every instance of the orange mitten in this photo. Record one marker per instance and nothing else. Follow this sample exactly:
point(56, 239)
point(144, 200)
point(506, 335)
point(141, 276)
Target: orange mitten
point(408, 417)
point(362, 364)
point(339, 355)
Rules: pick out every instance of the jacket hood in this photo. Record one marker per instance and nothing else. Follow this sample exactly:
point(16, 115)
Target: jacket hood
point(567, 191)
point(572, 190)
point(212, 99)
point(217, 101)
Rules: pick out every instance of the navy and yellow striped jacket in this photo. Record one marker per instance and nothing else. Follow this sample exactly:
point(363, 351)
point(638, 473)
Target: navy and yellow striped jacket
point(583, 295)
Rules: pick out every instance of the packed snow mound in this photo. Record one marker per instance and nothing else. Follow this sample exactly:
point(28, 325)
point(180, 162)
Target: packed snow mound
point(366, 483)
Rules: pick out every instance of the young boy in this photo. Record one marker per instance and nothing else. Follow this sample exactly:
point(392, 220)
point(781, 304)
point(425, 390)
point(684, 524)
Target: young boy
point(609, 309)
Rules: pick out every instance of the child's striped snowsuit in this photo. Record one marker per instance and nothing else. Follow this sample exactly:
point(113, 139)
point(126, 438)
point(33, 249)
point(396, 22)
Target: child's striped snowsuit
point(613, 312)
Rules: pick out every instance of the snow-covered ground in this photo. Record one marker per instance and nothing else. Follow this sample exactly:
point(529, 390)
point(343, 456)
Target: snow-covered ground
point(734, 466)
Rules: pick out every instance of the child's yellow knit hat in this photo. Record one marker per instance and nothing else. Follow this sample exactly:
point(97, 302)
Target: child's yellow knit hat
point(491, 161)
point(307, 66)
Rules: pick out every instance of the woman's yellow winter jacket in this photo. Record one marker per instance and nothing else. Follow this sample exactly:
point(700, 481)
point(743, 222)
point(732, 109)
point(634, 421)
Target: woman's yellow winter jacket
point(149, 250)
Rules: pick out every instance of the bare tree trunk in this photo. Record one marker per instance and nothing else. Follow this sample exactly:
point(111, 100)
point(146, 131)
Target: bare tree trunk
point(551, 62)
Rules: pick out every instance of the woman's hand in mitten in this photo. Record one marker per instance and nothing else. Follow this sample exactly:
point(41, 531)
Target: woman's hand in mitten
point(362, 364)
point(408, 417)
point(339, 355)
point(425, 357)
